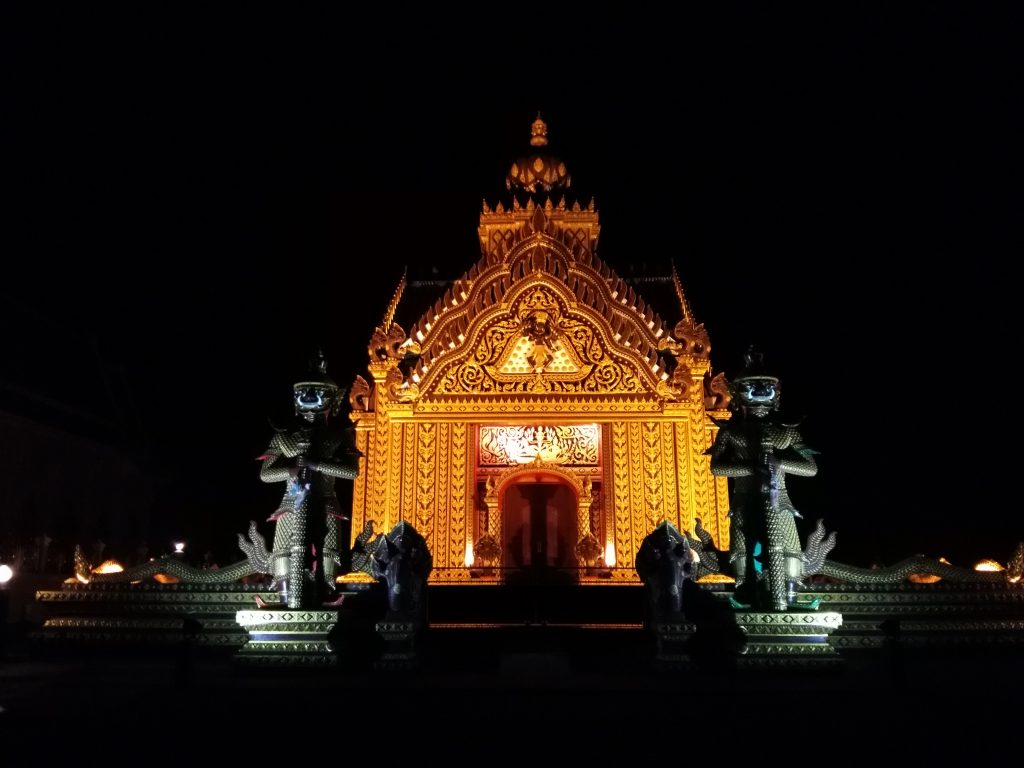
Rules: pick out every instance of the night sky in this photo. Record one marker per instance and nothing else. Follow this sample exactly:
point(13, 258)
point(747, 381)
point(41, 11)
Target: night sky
point(193, 204)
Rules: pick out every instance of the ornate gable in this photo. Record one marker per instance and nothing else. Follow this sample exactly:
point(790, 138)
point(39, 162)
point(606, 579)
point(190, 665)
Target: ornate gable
point(541, 316)
point(539, 364)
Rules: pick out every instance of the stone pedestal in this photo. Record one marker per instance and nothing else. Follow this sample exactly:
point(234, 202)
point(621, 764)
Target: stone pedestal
point(671, 644)
point(287, 638)
point(399, 644)
point(788, 638)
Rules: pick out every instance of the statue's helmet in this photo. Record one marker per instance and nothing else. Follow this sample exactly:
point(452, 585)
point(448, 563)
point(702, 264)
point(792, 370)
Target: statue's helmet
point(754, 389)
point(317, 393)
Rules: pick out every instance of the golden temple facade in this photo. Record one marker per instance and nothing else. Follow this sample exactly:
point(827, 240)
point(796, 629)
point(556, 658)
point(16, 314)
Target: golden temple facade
point(540, 415)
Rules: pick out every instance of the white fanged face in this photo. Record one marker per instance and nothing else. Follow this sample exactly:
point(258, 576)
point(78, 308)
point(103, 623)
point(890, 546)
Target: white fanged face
point(759, 396)
point(313, 398)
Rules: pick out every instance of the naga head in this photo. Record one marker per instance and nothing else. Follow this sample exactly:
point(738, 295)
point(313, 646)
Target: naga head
point(663, 562)
point(403, 560)
point(318, 394)
point(755, 393)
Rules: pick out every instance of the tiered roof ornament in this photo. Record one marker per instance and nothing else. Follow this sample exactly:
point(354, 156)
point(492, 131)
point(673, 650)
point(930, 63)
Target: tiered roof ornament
point(538, 172)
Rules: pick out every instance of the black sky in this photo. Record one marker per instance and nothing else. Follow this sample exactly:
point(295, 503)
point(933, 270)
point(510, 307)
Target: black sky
point(193, 202)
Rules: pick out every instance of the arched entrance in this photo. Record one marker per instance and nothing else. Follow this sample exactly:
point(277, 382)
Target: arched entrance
point(538, 513)
point(540, 530)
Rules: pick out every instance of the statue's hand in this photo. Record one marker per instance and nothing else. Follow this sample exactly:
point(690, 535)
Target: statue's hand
point(766, 462)
point(302, 461)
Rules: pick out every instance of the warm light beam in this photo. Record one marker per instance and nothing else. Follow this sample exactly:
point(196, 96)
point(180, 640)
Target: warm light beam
point(609, 554)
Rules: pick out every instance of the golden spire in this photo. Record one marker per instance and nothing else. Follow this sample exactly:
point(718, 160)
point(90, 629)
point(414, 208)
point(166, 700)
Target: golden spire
point(683, 303)
point(539, 133)
point(389, 315)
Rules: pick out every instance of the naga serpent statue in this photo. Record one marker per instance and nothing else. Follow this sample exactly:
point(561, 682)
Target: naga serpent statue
point(756, 450)
point(664, 562)
point(402, 560)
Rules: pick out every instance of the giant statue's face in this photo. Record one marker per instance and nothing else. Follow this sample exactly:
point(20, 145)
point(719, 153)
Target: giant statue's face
point(757, 395)
point(314, 397)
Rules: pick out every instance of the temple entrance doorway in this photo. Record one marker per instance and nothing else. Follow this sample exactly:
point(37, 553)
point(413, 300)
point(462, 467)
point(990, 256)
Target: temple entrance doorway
point(540, 533)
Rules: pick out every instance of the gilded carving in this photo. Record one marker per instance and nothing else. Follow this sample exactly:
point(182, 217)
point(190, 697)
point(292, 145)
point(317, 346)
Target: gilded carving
point(721, 519)
point(458, 535)
point(380, 474)
point(667, 467)
point(393, 508)
point(638, 514)
point(693, 337)
point(620, 475)
point(576, 444)
point(703, 503)
point(651, 468)
point(400, 388)
point(387, 344)
point(541, 351)
point(408, 472)
point(425, 483)
point(716, 392)
point(447, 551)
point(359, 395)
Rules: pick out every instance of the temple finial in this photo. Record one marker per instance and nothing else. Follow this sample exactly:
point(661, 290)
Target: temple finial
point(683, 303)
point(389, 315)
point(539, 133)
point(536, 172)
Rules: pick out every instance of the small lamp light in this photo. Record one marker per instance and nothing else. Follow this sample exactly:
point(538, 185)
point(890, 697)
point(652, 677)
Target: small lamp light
point(179, 547)
point(6, 574)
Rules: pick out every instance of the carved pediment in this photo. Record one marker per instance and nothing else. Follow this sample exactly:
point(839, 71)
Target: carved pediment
point(541, 315)
point(541, 344)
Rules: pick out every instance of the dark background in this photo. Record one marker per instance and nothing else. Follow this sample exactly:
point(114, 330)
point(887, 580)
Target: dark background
point(193, 202)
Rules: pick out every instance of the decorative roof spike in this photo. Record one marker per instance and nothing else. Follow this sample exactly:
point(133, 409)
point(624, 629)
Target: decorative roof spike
point(548, 206)
point(515, 203)
point(529, 204)
point(561, 203)
point(487, 208)
point(499, 208)
point(389, 314)
point(576, 206)
point(591, 206)
point(683, 303)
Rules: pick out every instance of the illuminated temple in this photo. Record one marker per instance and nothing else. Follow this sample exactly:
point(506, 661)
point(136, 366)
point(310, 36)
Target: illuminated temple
point(540, 416)
point(535, 426)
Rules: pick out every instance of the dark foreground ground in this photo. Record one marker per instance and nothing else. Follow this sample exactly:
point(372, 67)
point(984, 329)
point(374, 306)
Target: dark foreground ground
point(513, 687)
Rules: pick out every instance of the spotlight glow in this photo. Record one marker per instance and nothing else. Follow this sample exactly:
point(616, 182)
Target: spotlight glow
point(988, 566)
point(609, 554)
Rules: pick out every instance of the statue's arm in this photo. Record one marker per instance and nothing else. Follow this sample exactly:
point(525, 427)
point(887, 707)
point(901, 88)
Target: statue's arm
point(724, 462)
point(276, 466)
point(332, 469)
point(798, 460)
